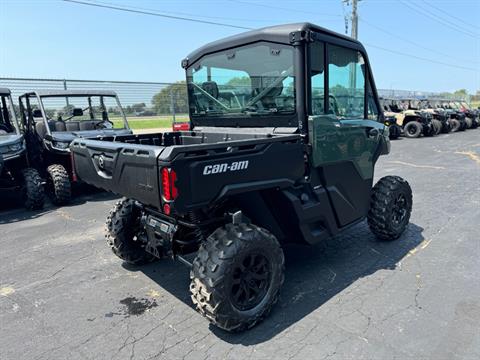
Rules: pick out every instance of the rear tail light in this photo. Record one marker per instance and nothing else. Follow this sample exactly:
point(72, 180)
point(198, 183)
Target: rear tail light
point(169, 190)
point(183, 126)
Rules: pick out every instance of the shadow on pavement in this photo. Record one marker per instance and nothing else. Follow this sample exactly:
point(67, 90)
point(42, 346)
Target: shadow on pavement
point(12, 210)
point(314, 274)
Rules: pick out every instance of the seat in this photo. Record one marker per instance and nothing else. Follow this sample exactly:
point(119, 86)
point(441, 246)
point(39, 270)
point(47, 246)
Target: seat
point(72, 125)
point(87, 125)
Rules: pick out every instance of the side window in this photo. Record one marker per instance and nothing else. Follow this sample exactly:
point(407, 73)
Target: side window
point(346, 83)
point(317, 77)
point(372, 106)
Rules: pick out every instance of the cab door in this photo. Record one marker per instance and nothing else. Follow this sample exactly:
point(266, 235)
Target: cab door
point(343, 128)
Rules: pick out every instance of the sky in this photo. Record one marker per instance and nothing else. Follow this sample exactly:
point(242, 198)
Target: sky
point(58, 39)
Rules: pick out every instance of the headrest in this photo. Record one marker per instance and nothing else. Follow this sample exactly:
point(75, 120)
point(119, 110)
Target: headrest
point(211, 87)
point(77, 112)
point(37, 113)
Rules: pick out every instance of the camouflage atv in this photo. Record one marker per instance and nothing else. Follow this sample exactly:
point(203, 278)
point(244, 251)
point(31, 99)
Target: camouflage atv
point(390, 120)
point(413, 121)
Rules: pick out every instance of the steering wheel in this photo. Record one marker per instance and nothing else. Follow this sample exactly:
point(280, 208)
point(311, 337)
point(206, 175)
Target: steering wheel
point(104, 124)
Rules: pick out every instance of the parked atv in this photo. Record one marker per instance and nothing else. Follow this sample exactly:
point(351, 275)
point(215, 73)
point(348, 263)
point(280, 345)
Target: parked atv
point(455, 115)
point(53, 118)
point(473, 115)
point(255, 174)
point(413, 121)
point(439, 115)
point(15, 173)
point(390, 120)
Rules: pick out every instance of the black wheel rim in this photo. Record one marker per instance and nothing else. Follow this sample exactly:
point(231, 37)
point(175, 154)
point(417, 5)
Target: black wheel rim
point(251, 281)
point(412, 130)
point(399, 210)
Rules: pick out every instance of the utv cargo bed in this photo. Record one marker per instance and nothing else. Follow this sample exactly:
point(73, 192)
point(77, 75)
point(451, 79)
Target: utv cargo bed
point(208, 165)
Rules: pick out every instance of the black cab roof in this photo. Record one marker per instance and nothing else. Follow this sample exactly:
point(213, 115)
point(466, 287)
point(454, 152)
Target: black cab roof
point(285, 34)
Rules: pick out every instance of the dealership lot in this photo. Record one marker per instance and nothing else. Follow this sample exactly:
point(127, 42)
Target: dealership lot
point(63, 294)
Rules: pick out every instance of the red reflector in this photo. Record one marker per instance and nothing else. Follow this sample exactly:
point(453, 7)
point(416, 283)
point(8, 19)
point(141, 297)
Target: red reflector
point(183, 126)
point(166, 209)
point(72, 163)
point(169, 189)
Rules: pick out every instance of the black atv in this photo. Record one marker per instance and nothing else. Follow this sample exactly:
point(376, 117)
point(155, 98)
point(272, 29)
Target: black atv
point(461, 123)
point(260, 166)
point(15, 173)
point(53, 118)
point(445, 124)
point(473, 115)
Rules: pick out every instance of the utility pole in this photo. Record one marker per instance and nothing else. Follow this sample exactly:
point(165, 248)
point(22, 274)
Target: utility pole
point(354, 20)
point(354, 17)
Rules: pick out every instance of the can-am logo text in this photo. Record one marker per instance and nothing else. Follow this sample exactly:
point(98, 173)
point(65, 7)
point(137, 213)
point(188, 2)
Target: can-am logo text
point(221, 168)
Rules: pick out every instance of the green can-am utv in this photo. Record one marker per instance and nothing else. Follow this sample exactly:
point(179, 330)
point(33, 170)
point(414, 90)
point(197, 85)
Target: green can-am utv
point(15, 173)
point(286, 155)
point(53, 118)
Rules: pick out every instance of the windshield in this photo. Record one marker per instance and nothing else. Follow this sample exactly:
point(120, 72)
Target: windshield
point(245, 81)
point(74, 109)
point(8, 123)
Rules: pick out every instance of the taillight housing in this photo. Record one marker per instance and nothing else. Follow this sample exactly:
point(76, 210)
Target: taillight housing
point(181, 126)
point(169, 189)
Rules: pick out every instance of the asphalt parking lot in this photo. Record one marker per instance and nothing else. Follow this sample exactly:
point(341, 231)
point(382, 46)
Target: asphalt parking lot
point(63, 294)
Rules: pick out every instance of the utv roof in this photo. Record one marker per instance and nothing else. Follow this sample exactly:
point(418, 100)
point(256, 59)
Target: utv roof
point(279, 33)
point(4, 91)
point(71, 93)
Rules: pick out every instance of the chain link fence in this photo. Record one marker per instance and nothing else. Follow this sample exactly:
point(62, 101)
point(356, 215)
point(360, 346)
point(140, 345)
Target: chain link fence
point(154, 104)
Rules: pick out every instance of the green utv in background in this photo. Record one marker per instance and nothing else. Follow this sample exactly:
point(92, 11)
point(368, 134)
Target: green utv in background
point(51, 119)
point(15, 172)
point(287, 154)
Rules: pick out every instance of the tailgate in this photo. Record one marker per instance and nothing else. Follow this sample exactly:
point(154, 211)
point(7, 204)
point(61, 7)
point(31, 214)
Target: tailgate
point(205, 175)
point(126, 169)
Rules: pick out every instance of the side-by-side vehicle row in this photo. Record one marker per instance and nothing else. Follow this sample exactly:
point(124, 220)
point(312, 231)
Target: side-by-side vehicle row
point(34, 148)
point(428, 117)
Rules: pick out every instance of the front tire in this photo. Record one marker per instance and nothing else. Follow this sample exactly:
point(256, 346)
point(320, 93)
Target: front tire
point(456, 125)
point(58, 185)
point(437, 126)
point(236, 276)
point(413, 129)
point(33, 192)
point(121, 233)
point(390, 207)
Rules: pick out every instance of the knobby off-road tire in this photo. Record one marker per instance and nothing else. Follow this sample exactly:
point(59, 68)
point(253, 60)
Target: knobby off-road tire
point(230, 264)
point(437, 126)
point(394, 132)
point(469, 122)
point(413, 129)
point(58, 185)
point(390, 207)
point(121, 230)
point(455, 125)
point(33, 192)
point(446, 127)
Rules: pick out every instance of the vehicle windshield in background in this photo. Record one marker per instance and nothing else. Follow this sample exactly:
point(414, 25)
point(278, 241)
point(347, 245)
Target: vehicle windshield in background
point(103, 110)
point(249, 80)
point(7, 122)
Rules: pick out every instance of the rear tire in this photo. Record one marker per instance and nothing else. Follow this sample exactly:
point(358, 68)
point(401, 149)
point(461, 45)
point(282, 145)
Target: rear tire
point(33, 192)
point(394, 132)
point(58, 185)
point(236, 276)
point(413, 129)
point(121, 230)
point(390, 207)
